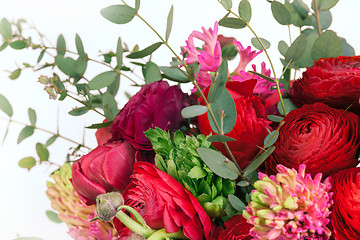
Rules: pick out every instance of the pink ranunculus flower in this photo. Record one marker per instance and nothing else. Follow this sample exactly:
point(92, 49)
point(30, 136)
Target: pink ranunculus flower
point(105, 169)
point(210, 57)
point(246, 56)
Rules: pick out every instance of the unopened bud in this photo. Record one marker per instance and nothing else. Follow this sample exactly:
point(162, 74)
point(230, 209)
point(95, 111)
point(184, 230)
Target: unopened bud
point(44, 79)
point(136, 236)
point(107, 205)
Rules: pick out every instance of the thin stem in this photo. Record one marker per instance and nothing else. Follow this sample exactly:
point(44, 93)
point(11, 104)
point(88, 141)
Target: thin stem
point(317, 17)
point(133, 225)
point(47, 131)
point(91, 108)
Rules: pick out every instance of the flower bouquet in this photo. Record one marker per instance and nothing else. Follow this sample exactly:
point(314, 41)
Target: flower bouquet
point(240, 154)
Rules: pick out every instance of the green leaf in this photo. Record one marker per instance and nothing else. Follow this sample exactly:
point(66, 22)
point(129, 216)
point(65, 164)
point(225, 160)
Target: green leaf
point(137, 5)
point(306, 60)
point(5, 29)
point(32, 116)
point(296, 50)
point(232, 23)
point(61, 45)
point(217, 163)
point(175, 74)
point(236, 203)
point(25, 133)
point(41, 56)
point(288, 106)
point(42, 152)
point(119, 53)
point(275, 118)
point(119, 14)
point(280, 13)
point(103, 80)
point(5, 106)
point(220, 138)
point(66, 65)
point(226, 107)
point(227, 4)
point(169, 23)
point(151, 73)
point(193, 111)
point(271, 138)
point(255, 42)
point(301, 8)
point(99, 125)
point(245, 10)
point(197, 172)
point(258, 161)
point(145, 52)
point(53, 216)
point(218, 86)
point(79, 46)
point(263, 76)
point(324, 5)
point(114, 87)
point(347, 49)
point(27, 163)
point(78, 111)
point(51, 140)
point(243, 183)
point(327, 45)
point(110, 106)
point(4, 45)
point(15, 74)
point(18, 45)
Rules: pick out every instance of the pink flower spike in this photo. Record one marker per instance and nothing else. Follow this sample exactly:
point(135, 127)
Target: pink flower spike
point(246, 56)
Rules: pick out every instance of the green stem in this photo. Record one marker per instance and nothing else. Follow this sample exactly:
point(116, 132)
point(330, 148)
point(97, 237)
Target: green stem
point(162, 235)
point(134, 225)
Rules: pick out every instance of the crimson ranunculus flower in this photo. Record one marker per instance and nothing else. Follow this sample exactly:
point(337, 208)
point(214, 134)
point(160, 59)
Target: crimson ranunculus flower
point(165, 203)
point(105, 169)
point(237, 228)
point(345, 218)
point(333, 81)
point(251, 123)
point(323, 138)
point(155, 105)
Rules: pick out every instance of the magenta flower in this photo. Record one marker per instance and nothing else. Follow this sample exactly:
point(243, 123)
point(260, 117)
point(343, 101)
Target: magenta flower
point(290, 205)
point(210, 57)
point(246, 56)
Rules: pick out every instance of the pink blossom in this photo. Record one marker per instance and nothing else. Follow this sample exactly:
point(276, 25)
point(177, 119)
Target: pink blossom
point(246, 56)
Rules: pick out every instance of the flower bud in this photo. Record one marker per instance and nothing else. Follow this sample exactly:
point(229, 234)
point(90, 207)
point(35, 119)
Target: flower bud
point(107, 205)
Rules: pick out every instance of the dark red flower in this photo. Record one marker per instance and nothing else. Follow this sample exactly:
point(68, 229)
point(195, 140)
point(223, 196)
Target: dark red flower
point(155, 105)
point(105, 169)
point(237, 228)
point(345, 218)
point(165, 203)
point(251, 123)
point(333, 81)
point(103, 135)
point(323, 138)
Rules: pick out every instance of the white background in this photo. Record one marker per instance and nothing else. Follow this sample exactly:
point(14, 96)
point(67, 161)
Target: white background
point(22, 194)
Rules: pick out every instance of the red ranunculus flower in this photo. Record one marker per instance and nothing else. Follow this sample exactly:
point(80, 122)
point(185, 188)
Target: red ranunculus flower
point(323, 138)
point(333, 81)
point(155, 105)
point(251, 123)
point(107, 168)
point(165, 203)
point(237, 228)
point(345, 217)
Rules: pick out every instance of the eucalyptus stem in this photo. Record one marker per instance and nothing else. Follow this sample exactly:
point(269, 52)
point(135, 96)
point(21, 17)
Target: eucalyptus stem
point(47, 131)
point(90, 108)
point(317, 17)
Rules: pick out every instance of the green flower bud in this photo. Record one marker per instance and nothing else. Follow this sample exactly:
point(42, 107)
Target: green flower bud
point(107, 205)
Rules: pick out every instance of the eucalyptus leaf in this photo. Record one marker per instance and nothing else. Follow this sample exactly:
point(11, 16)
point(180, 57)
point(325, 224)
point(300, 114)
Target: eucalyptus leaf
point(296, 50)
point(103, 80)
point(271, 138)
point(255, 42)
point(5, 29)
point(99, 125)
point(41, 56)
point(137, 5)
point(255, 164)
point(275, 118)
point(327, 45)
point(193, 111)
point(218, 163)
point(220, 138)
point(225, 107)
point(236, 203)
point(25, 133)
point(15, 74)
point(263, 76)
point(110, 106)
point(27, 162)
point(66, 65)
point(53, 216)
point(4, 45)
point(227, 4)
point(218, 86)
point(301, 8)
point(244, 10)
point(51, 140)
point(280, 13)
point(288, 106)
point(32, 116)
point(151, 73)
point(119, 53)
point(42, 152)
point(79, 46)
point(119, 14)
point(324, 5)
point(243, 183)
point(18, 44)
point(232, 23)
point(175, 74)
point(169, 23)
point(145, 52)
point(306, 59)
point(78, 111)
point(5, 106)
point(283, 47)
point(61, 45)
point(347, 49)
